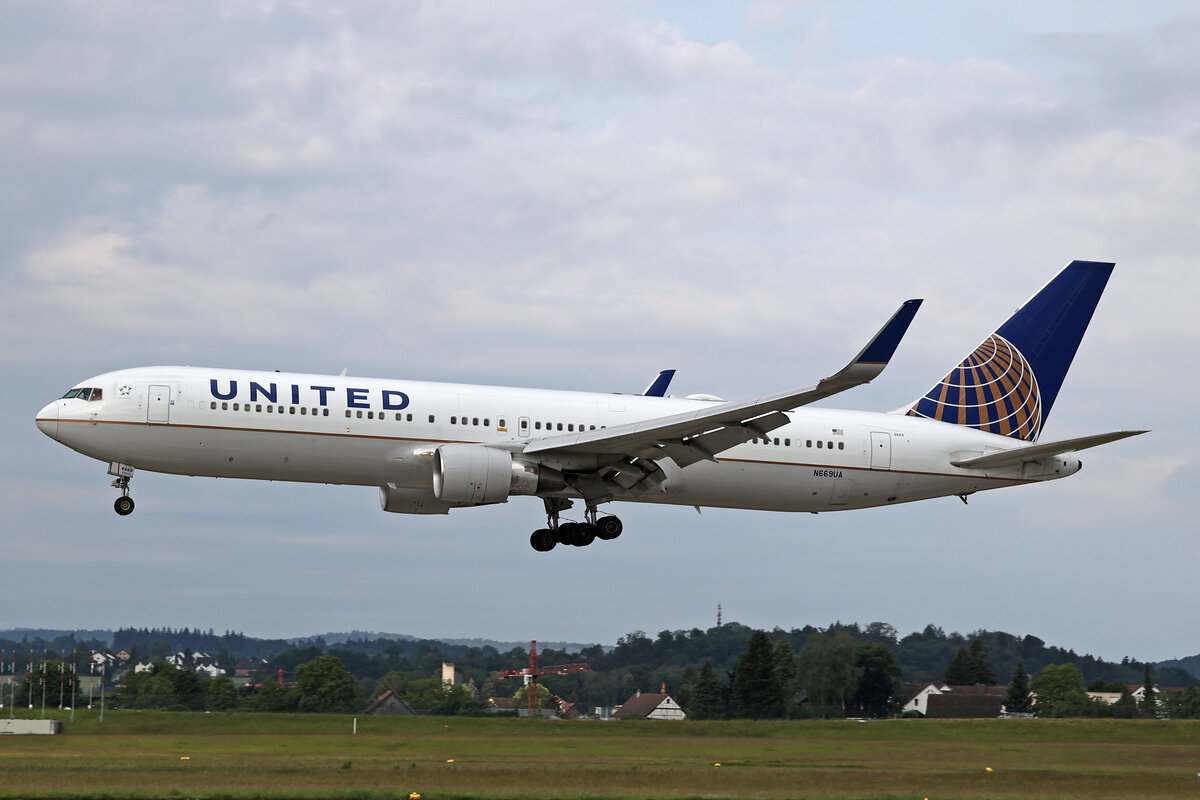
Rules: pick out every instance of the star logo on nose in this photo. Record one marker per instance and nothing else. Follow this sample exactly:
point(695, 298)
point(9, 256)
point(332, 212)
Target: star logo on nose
point(125, 390)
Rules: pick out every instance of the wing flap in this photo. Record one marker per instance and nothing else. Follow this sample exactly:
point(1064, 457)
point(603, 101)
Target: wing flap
point(1019, 455)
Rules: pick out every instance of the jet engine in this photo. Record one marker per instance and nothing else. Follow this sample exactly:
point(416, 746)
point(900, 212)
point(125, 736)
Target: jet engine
point(474, 475)
point(401, 500)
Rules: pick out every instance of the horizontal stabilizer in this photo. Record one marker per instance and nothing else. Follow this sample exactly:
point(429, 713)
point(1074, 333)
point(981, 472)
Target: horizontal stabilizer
point(1019, 455)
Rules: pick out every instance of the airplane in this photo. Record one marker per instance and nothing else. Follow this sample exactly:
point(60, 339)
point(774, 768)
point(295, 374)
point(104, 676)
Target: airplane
point(433, 447)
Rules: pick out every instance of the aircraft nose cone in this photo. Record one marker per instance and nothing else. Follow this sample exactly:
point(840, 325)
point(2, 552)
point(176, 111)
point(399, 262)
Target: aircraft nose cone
point(47, 420)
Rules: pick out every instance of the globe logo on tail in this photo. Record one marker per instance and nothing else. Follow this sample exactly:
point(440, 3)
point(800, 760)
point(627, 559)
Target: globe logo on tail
point(993, 389)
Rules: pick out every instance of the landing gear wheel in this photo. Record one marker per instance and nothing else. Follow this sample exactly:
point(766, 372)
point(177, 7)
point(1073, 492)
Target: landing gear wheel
point(566, 533)
point(609, 528)
point(585, 534)
point(543, 540)
point(124, 505)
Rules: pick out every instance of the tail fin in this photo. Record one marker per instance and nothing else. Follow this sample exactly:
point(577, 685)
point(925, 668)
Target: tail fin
point(1009, 383)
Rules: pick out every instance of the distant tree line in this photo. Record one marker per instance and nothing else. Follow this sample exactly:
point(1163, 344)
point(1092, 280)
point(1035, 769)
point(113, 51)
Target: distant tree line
point(724, 671)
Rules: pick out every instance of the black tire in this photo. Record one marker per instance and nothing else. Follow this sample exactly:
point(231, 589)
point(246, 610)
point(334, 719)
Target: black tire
point(585, 534)
point(542, 540)
point(566, 533)
point(124, 506)
point(609, 528)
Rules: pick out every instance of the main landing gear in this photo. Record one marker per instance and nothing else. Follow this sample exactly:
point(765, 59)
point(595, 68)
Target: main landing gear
point(124, 503)
point(577, 534)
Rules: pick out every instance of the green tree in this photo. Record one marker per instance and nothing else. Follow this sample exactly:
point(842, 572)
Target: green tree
point(221, 694)
point(1125, 707)
point(1149, 705)
point(1018, 700)
point(1060, 692)
point(706, 697)
point(970, 666)
point(395, 681)
point(878, 675)
point(686, 685)
point(1184, 704)
point(827, 671)
point(1101, 685)
point(757, 692)
point(325, 686)
point(273, 696)
point(163, 686)
point(46, 678)
point(785, 668)
point(521, 697)
point(146, 690)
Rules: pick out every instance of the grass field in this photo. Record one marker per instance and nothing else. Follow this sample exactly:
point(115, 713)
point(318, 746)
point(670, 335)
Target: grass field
point(182, 755)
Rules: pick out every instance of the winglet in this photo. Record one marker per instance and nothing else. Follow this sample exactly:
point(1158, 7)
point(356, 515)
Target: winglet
point(881, 349)
point(658, 386)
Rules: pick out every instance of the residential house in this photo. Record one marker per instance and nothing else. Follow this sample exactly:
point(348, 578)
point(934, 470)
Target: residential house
point(650, 706)
point(944, 701)
point(391, 704)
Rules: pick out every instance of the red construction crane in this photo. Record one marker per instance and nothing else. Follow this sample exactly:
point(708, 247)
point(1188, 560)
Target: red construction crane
point(531, 673)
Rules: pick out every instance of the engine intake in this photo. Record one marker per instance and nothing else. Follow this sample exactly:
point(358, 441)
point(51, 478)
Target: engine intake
point(473, 475)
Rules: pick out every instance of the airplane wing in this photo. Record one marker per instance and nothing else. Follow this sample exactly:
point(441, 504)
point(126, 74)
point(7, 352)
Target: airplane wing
point(702, 434)
point(1019, 455)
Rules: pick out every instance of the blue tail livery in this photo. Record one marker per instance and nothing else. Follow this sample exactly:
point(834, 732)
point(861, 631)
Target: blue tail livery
point(1009, 383)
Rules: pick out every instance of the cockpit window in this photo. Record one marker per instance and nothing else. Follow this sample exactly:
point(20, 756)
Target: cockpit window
point(83, 394)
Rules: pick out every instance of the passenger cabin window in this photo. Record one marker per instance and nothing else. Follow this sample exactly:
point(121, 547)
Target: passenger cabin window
point(454, 420)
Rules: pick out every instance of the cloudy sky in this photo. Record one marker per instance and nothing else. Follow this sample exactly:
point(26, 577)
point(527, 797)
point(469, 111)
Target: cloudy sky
point(576, 196)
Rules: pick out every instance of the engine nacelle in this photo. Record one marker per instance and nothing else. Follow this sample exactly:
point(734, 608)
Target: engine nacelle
point(473, 474)
point(397, 500)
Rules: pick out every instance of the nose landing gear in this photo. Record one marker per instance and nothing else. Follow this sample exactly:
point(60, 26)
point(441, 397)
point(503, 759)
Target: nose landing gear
point(124, 503)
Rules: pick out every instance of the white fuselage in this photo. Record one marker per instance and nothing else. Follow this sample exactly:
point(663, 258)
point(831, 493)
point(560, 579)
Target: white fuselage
point(371, 432)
